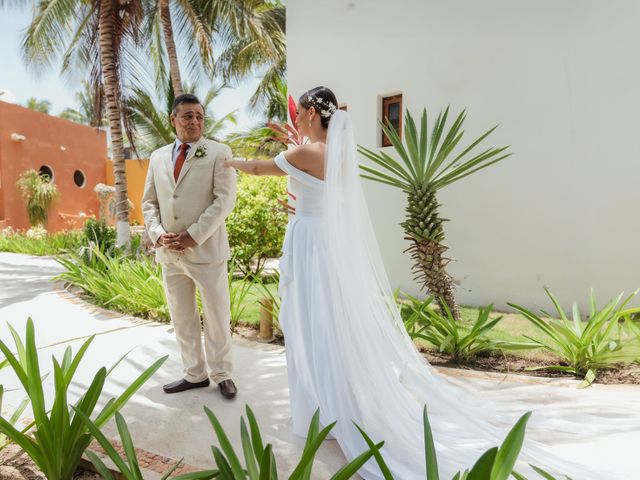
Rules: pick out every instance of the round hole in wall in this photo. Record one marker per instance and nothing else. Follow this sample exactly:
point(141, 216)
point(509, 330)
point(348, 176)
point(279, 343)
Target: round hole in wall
point(47, 172)
point(79, 179)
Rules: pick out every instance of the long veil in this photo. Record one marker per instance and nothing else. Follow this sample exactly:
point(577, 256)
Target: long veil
point(389, 380)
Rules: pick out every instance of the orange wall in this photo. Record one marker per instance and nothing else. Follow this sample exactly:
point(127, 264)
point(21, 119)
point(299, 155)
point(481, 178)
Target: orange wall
point(136, 175)
point(62, 145)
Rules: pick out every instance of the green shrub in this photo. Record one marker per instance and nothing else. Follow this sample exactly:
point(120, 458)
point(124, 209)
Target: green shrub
point(256, 227)
point(584, 346)
point(99, 233)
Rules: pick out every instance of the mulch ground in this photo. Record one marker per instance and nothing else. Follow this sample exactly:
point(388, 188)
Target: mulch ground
point(620, 374)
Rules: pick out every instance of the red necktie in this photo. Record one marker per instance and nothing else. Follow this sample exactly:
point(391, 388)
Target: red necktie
point(182, 155)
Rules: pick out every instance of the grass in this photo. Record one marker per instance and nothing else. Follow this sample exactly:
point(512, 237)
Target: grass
point(38, 244)
point(251, 316)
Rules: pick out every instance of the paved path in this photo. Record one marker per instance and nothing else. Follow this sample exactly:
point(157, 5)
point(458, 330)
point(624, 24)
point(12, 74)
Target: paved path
point(167, 427)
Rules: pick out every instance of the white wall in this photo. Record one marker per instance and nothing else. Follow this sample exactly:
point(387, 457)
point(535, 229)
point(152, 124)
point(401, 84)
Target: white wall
point(562, 78)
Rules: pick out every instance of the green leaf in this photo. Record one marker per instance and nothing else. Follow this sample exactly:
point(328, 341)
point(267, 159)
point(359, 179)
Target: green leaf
point(482, 468)
point(225, 445)
point(543, 473)
point(509, 450)
point(351, 468)
point(429, 448)
point(266, 463)
point(386, 473)
point(99, 465)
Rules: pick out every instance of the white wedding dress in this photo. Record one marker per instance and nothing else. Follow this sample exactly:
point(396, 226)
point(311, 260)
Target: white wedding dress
point(349, 355)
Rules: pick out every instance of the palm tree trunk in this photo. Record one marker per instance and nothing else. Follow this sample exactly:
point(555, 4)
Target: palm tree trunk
point(430, 269)
point(111, 90)
point(167, 30)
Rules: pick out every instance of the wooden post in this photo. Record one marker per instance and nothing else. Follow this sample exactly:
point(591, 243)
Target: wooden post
point(266, 321)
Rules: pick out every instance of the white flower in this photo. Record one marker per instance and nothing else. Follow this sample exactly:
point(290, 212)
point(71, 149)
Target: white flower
point(200, 152)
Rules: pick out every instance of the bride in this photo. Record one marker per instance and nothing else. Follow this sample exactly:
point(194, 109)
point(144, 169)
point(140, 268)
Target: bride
point(347, 350)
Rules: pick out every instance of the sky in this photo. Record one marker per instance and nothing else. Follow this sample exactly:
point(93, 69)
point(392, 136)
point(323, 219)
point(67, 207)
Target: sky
point(19, 84)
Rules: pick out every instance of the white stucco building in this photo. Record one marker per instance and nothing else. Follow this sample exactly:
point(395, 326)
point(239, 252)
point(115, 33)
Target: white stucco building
point(562, 78)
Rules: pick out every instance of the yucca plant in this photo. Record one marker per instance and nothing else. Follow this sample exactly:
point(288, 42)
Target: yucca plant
point(427, 164)
point(129, 466)
point(584, 346)
point(457, 338)
point(59, 437)
point(38, 192)
point(260, 462)
point(495, 464)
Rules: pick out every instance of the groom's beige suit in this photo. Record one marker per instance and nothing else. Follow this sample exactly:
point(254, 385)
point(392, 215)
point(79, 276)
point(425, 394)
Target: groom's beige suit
point(198, 202)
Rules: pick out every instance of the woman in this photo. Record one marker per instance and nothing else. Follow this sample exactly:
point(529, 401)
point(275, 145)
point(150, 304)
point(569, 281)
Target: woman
point(347, 350)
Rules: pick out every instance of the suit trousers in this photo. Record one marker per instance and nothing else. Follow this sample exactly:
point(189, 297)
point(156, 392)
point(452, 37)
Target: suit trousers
point(181, 278)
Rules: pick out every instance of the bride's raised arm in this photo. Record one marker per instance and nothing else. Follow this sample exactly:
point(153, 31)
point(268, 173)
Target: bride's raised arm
point(300, 157)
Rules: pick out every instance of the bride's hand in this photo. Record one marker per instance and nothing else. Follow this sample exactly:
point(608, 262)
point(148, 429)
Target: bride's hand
point(230, 163)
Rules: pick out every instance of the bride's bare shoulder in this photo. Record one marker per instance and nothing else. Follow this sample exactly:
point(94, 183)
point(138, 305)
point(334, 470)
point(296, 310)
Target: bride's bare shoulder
point(305, 156)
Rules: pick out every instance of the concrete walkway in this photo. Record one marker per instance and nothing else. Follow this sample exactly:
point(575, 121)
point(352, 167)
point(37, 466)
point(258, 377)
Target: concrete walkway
point(169, 427)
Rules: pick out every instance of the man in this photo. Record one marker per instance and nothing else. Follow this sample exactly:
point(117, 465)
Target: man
point(187, 196)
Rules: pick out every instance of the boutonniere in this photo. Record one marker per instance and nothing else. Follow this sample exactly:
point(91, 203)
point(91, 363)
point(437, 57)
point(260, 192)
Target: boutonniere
point(200, 152)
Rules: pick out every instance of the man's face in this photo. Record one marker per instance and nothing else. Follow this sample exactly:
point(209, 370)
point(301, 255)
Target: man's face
point(188, 122)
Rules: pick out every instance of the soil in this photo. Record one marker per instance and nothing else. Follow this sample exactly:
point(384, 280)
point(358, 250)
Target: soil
point(16, 465)
point(620, 374)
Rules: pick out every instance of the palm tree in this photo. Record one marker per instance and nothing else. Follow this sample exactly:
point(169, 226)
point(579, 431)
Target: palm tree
point(100, 35)
point(42, 106)
point(151, 118)
point(191, 25)
point(91, 104)
point(424, 168)
point(258, 142)
point(253, 39)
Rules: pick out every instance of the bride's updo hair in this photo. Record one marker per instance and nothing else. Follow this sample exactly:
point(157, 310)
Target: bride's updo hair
point(323, 100)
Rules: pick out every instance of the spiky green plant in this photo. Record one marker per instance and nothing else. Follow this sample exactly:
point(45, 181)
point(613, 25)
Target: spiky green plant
point(427, 164)
point(38, 192)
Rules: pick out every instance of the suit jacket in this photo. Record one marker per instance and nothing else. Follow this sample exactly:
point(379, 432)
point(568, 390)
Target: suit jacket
point(198, 202)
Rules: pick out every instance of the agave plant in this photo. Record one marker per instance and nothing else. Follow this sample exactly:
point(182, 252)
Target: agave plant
point(59, 437)
point(260, 462)
point(427, 164)
point(584, 346)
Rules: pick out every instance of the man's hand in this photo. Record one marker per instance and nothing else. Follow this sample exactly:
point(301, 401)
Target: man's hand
point(179, 242)
point(165, 239)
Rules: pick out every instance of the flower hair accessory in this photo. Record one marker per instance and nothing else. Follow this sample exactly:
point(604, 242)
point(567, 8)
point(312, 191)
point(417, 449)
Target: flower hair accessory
point(325, 107)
